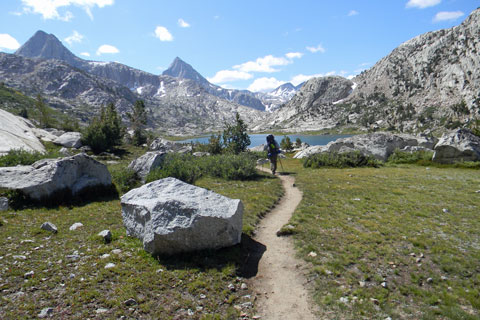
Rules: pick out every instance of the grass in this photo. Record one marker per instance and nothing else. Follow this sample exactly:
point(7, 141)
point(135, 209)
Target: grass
point(413, 228)
point(69, 267)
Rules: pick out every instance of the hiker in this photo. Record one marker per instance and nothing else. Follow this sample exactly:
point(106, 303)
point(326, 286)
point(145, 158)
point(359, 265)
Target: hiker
point(273, 150)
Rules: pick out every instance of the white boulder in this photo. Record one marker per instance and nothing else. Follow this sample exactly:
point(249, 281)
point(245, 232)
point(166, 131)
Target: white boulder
point(45, 177)
point(69, 140)
point(144, 164)
point(164, 145)
point(460, 145)
point(171, 216)
point(379, 145)
point(17, 133)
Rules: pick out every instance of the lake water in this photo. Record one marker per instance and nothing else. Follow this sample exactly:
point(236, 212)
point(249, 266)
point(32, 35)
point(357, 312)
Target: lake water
point(258, 139)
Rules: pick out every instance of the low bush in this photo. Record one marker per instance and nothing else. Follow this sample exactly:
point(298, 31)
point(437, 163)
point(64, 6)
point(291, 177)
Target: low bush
point(189, 168)
point(340, 160)
point(181, 166)
point(22, 157)
point(125, 179)
point(416, 157)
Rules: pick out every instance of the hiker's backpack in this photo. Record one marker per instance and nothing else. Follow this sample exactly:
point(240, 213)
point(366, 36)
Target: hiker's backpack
point(272, 146)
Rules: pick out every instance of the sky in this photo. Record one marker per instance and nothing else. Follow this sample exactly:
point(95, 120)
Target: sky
point(248, 44)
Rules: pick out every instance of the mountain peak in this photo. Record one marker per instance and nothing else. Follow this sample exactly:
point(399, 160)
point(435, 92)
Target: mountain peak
point(181, 69)
point(47, 46)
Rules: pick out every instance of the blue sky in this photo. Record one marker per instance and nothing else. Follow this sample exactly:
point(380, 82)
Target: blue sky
point(236, 44)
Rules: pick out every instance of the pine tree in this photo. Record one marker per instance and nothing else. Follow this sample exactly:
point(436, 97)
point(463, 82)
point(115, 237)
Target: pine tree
point(235, 137)
point(138, 120)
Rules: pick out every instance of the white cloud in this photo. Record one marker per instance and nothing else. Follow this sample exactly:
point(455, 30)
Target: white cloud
point(447, 16)
point(264, 64)
point(182, 23)
point(106, 48)
point(353, 13)
point(318, 48)
point(49, 8)
point(85, 54)
point(422, 4)
point(299, 78)
point(75, 37)
point(229, 76)
point(293, 55)
point(265, 84)
point(163, 34)
point(8, 42)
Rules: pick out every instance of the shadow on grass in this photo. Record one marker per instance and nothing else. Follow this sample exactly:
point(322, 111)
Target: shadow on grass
point(245, 256)
point(63, 197)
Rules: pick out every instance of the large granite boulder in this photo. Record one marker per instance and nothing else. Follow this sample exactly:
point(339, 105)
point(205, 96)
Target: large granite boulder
point(164, 145)
point(461, 145)
point(379, 145)
point(144, 164)
point(44, 178)
point(69, 140)
point(171, 216)
point(17, 133)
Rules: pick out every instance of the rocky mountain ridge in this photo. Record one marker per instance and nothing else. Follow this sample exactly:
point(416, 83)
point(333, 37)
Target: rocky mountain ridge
point(74, 85)
point(430, 82)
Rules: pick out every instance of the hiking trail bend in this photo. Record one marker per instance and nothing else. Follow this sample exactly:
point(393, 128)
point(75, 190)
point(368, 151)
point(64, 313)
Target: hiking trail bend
point(280, 284)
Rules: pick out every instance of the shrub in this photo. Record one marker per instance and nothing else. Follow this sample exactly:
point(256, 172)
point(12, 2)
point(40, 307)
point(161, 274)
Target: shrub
point(189, 168)
point(340, 160)
point(22, 157)
point(125, 179)
point(181, 166)
point(410, 157)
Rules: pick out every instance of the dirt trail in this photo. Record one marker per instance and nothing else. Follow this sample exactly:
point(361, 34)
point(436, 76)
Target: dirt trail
point(280, 281)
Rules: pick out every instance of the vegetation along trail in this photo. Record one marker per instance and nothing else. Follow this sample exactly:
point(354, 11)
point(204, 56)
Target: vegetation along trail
point(280, 281)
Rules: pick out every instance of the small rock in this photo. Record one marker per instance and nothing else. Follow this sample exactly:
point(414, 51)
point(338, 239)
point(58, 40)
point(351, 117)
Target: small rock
point(48, 226)
point(375, 301)
point(357, 199)
point(413, 254)
point(478, 191)
point(20, 257)
point(328, 272)
point(116, 251)
point(75, 226)
point(71, 276)
point(244, 286)
point(29, 274)
point(130, 302)
point(449, 289)
point(422, 255)
point(444, 278)
point(418, 260)
point(344, 299)
point(384, 284)
point(256, 317)
point(429, 280)
point(101, 311)
point(160, 270)
point(190, 312)
point(312, 254)
point(362, 284)
point(202, 296)
point(73, 257)
point(3, 204)
point(105, 256)
point(199, 308)
point(231, 287)
point(110, 265)
point(445, 210)
point(106, 235)
point(247, 305)
point(45, 312)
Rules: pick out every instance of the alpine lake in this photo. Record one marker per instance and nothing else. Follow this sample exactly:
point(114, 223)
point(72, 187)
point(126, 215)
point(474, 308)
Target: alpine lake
point(259, 139)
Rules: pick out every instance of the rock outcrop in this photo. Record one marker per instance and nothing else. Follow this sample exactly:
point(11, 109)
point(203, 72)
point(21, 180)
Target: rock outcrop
point(163, 145)
point(17, 133)
point(461, 145)
point(46, 177)
point(171, 216)
point(146, 163)
point(379, 145)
